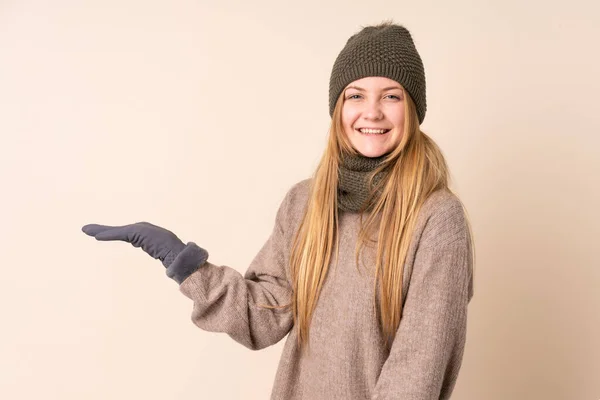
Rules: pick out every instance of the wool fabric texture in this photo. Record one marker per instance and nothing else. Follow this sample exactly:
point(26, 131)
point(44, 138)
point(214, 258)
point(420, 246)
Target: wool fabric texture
point(387, 51)
point(354, 172)
point(348, 358)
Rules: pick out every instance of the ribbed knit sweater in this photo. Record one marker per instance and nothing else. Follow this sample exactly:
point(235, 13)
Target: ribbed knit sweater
point(348, 359)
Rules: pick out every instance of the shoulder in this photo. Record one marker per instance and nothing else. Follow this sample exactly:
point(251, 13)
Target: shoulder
point(300, 188)
point(294, 202)
point(297, 195)
point(442, 219)
point(442, 202)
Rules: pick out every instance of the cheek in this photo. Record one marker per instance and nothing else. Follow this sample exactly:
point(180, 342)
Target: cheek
point(394, 113)
point(401, 118)
point(348, 117)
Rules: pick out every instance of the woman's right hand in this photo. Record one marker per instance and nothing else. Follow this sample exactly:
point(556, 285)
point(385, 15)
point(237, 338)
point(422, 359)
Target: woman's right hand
point(157, 242)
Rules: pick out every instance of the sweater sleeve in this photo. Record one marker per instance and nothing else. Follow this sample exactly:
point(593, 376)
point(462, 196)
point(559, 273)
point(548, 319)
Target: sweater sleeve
point(427, 351)
point(226, 301)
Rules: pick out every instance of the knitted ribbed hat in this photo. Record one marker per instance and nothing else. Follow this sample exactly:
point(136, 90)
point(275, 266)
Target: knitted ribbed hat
point(385, 50)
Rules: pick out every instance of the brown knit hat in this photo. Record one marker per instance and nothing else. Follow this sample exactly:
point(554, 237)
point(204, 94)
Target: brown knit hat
point(384, 50)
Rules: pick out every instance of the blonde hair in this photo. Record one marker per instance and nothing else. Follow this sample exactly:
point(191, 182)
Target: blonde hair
point(415, 169)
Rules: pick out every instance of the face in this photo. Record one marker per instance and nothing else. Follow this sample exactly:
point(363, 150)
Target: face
point(378, 103)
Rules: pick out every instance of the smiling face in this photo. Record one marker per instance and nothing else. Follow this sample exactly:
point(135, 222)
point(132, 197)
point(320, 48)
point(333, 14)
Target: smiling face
point(373, 115)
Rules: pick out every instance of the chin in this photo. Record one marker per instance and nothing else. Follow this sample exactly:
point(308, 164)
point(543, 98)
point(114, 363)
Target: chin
point(372, 153)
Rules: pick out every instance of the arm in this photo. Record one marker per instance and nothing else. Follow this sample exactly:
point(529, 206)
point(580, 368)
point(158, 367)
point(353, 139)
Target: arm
point(427, 352)
point(226, 301)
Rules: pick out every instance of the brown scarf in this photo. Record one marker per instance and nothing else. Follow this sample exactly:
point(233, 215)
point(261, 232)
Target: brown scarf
point(353, 190)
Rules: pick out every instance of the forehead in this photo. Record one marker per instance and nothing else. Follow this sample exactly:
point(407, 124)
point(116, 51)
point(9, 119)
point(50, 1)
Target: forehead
point(374, 83)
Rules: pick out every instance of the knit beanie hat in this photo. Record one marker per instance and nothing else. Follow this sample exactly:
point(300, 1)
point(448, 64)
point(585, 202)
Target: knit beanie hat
point(385, 50)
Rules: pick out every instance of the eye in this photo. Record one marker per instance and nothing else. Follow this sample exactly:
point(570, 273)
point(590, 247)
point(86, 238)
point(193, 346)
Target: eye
point(393, 95)
point(352, 96)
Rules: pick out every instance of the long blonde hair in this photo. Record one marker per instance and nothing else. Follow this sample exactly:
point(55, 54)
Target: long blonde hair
point(415, 169)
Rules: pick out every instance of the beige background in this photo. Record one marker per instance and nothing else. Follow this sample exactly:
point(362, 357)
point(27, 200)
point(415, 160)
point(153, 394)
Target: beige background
point(198, 116)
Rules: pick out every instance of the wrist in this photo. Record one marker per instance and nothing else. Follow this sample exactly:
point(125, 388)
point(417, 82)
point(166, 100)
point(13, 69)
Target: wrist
point(175, 250)
point(186, 262)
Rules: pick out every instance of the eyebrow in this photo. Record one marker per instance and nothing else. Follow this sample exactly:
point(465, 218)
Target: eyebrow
point(383, 90)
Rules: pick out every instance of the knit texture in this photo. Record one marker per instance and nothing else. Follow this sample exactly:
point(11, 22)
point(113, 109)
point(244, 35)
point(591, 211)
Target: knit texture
point(354, 171)
point(387, 51)
point(348, 357)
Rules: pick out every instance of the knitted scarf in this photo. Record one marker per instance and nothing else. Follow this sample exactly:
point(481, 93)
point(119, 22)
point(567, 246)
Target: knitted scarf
point(353, 189)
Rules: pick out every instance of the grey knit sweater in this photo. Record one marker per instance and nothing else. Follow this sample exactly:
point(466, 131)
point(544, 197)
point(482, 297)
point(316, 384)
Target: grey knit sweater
point(348, 359)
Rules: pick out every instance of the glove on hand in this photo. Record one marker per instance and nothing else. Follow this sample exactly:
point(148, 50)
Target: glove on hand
point(158, 242)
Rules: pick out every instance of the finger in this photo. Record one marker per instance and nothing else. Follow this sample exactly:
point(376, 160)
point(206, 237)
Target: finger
point(125, 233)
point(94, 229)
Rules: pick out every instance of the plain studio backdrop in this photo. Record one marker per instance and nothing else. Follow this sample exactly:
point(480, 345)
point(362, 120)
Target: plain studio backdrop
point(199, 115)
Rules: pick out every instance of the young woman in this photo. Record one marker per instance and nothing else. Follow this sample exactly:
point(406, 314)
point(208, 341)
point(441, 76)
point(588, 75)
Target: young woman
point(368, 269)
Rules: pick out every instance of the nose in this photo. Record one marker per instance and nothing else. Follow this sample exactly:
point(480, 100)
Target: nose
point(373, 111)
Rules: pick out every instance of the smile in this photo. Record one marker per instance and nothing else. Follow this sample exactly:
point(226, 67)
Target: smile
point(369, 131)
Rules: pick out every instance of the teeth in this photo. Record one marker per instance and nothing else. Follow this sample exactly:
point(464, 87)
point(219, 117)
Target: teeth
point(363, 130)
